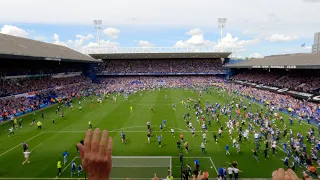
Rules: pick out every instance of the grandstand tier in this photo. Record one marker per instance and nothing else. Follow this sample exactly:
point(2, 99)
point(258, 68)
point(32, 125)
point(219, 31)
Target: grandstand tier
point(188, 63)
point(296, 75)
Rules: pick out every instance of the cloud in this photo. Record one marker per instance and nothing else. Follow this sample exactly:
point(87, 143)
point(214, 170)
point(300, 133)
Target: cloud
point(81, 43)
point(235, 43)
point(195, 31)
point(151, 13)
point(103, 44)
point(112, 33)
point(13, 30)
point(143, 43)
point(256, 55)
point(311, 1)
point(197, 39)
point(308, 47)
point(281, 38)
point(80, 39)
point(273, 17)
point(229, 42)
point(57, 40)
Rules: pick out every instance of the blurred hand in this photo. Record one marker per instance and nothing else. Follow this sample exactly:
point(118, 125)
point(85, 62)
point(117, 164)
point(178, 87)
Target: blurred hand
point(155, 177)
point(281, 174)
point(96, 157)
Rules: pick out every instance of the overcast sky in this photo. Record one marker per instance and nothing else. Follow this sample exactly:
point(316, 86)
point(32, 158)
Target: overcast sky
point(254, 27)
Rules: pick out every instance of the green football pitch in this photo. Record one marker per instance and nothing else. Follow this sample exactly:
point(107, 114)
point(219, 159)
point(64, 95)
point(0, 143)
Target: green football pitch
point(137, 159)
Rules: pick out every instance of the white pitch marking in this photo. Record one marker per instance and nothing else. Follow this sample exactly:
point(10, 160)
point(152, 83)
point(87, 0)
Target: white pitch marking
point(67, 166)
point(20, 144)
point(213, 165)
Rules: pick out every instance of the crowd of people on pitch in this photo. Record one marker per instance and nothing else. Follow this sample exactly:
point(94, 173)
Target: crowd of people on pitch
point(296, 80)
point(148, 82)
point(97, 161)
point(67, 86)
point(163, 66)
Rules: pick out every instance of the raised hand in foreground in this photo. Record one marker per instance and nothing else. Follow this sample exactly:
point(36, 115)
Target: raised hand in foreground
point(281, 174)
point(96, 156)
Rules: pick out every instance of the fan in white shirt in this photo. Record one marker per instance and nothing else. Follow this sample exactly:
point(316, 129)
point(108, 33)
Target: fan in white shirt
point(26, 156)
point(236, 173)
point(230, 171)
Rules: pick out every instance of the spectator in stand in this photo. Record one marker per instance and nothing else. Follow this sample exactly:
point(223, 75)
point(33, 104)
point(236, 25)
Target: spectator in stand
point(163, 66)
point(295, 80)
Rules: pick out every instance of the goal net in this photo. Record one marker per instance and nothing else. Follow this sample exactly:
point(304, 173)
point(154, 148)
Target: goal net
point(140, 166)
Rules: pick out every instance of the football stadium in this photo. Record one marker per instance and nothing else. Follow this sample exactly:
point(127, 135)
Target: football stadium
point(135, 113)
point(164, 110)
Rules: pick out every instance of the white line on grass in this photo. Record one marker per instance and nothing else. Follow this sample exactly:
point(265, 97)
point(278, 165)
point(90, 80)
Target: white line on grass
point(67, 166)
point(213, 165)
point(20, 144)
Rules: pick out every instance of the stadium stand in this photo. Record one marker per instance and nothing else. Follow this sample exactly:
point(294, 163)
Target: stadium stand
point(32, 73)
point(286, 61)
point(284, 81)
point(301, 80)
point(163, 66)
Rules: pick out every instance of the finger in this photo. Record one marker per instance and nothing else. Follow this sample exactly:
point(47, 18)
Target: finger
point(109, 150)
point(87, 141)
point(95, 140)
point(155, 174)
point(287, 177)
point(275, 175)
point(81, 150)
point(103, 142)
point(280, 174)
point(200, 177)
point(292, 174)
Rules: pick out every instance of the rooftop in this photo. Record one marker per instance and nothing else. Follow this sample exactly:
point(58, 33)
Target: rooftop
point(23, 47)
point(157, 53)
point(286, 61)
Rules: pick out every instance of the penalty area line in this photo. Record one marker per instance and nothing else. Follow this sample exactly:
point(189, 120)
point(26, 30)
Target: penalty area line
point(213, 165)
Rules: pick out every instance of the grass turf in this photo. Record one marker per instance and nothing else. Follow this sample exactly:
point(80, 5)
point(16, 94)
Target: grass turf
point(49, 143)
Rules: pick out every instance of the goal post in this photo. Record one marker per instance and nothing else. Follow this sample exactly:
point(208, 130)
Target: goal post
point(140, 166)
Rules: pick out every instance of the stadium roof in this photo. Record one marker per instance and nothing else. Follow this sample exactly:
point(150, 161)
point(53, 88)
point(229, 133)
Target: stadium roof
point(17, 47)
point(157, 53)
point(287, 61)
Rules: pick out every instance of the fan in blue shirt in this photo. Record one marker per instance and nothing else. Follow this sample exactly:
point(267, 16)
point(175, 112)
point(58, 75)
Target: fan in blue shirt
point(65, 155)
